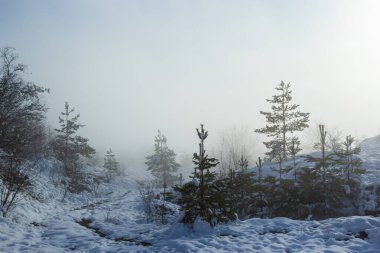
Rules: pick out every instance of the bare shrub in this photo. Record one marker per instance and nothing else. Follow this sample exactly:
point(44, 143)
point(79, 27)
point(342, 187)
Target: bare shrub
point(147, 196)
point(13, 182)
point(94, 184)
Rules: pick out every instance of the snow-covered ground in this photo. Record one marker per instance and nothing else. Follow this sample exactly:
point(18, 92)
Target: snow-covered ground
point(370, 154)
point(114, 222)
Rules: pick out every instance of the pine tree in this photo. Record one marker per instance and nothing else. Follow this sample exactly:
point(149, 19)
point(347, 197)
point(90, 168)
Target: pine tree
point(204, 197)
point(68, 147)
point(282, 120)
point(259, 186)
point(243, 163)
point(325, 165)
point(162, 164)
point(285, 201)
point(294, 149)
point(322, 163)
point(310, 193)
point(348, 158)
point(243, 195)
point(202, 171)
point(111, 165)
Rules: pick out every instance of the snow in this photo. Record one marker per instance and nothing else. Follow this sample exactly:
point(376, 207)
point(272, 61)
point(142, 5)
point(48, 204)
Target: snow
point(118, 225)
point(370, 153)
point(113, 221)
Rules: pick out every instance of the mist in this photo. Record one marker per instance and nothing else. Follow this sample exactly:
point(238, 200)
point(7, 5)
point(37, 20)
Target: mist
point(133, 67)
point(189, 126)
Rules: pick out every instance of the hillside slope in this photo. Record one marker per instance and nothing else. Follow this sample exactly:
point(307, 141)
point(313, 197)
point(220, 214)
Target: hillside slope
point(370, 154)
point(114, 221)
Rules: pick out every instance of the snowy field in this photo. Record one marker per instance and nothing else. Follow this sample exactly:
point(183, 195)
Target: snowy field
point(114, 222)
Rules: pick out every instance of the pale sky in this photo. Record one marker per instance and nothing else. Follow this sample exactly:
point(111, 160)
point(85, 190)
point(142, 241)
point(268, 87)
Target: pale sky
point(132, 67)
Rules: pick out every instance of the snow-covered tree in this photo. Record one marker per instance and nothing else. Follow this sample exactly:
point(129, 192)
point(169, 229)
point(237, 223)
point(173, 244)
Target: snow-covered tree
point(162, 164)
point(284, 119)
point(111, 164)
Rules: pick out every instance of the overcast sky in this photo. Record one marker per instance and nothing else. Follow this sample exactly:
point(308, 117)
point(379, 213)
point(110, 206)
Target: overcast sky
point(132, 67)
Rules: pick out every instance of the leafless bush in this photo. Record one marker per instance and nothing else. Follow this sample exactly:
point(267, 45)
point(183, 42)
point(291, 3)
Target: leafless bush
point(147, 197)
point(155, 207)
point(233, 143)
point(111, 218)
point(55, 173)
point(13, 182)
point(94, 184)
point(162, 211)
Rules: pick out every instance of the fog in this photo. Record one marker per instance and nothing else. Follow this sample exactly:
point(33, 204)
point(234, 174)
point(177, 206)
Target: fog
point(133, 67)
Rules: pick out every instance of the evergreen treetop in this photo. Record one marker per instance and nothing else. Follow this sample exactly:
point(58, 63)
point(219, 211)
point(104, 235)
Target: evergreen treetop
point(348, 158)
point(68, 145)
point(111, 164)
point(162, 164)
point(282, 120)
point(205, 196)
point(201, 160)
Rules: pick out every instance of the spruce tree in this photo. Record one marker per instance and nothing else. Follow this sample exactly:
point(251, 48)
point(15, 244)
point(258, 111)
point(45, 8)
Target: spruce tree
point(162, 164)
point(111, 165)
point(284, 119)
point(68, 147)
